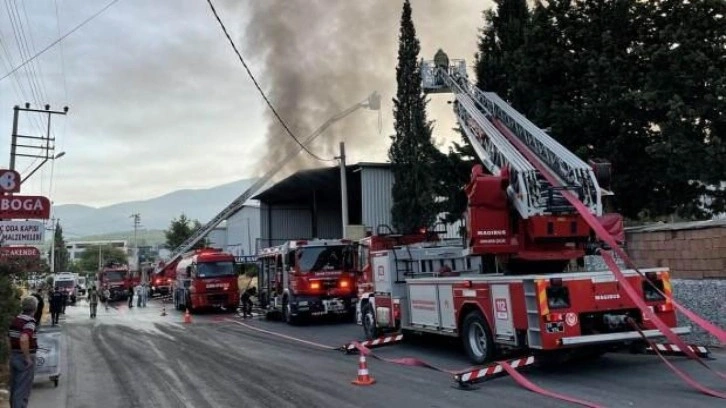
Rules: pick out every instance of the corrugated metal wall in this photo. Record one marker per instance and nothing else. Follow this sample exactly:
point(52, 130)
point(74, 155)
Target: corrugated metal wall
point(218, 238)
point(330, 221)
point(288, 221)
point(243, 231)
point(377, 196)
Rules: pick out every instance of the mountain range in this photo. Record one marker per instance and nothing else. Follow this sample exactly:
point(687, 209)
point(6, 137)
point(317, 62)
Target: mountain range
point(80, 221)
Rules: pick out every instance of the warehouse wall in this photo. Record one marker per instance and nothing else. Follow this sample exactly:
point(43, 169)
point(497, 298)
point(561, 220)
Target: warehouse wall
point(377, 196)
point(243, 231)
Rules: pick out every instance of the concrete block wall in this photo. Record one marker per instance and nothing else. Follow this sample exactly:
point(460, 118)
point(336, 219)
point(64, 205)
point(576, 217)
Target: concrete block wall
point(689, 253)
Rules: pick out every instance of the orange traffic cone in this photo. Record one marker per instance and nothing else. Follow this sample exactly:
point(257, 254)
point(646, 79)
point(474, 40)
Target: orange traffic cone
point(187, 317)
point(363, 377)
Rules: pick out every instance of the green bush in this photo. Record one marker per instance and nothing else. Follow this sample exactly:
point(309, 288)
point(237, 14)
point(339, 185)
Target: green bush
point(9, 308)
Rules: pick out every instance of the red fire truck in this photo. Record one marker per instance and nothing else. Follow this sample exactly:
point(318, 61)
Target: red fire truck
point(116, 278)
point(519, 283)
point(308, 278)
point(206, 278)
point(162, 280)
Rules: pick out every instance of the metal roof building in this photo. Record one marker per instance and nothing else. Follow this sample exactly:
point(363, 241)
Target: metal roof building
point(307, 204)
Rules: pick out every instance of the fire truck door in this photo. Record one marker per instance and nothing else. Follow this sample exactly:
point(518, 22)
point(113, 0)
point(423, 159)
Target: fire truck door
point(502, 307)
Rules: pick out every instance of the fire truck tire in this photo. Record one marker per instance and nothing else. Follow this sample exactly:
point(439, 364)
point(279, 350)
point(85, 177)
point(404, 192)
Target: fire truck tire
point(368, 318)
point(477, 338)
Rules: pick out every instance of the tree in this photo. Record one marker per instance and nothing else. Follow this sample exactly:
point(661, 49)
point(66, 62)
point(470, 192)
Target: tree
point(61, 255)
point(180, 229)
point(89, 257)
point(9, 302)
point(500, 39)
point(412, 151)
point(638, 83)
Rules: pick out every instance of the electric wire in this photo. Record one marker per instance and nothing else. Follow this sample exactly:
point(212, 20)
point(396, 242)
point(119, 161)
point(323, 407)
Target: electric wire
point(259, 89)
point(63, 37)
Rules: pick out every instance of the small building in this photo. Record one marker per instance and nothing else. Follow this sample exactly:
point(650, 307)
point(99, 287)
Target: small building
point(307, 204)
point(76, 248)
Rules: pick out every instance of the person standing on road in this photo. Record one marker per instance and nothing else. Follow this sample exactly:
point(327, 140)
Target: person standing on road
point(23, 346)
point(41, 304)
point(131, 296)
point(144, 294)
point(93, 301)
point(138, 295)
point(106, 297)
point(56, 305)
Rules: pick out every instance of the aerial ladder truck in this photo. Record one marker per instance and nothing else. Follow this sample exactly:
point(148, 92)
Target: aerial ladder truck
point(516, 284)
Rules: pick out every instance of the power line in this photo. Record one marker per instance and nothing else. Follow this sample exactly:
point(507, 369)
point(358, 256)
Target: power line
point(49, 46)
point(257, 85)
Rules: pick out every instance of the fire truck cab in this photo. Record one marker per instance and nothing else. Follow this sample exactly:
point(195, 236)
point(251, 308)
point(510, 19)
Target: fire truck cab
point(308, 278)
point(206, 278)
point(115, 278)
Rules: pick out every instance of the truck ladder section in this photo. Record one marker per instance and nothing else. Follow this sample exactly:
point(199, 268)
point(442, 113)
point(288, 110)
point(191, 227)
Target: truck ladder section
point(480, 112)
point(373, 102)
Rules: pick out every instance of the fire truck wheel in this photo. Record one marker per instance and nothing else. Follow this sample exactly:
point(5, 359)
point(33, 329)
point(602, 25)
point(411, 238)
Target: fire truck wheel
point(369, 322)
point(477, 338)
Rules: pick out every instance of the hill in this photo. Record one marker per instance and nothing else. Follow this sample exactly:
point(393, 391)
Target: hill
point(81, 221)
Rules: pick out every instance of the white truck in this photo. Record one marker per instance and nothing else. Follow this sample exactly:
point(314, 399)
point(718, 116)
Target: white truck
point(67, 282)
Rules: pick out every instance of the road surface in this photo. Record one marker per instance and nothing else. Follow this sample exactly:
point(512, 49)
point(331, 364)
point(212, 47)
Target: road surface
point(137, 358)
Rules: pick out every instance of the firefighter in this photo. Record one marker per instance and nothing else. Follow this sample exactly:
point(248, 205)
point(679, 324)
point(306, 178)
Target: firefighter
point(56, 305)
point(247, 301)
point(131, 296)
point(93, 301)
point(106, 297)
point(23, 346)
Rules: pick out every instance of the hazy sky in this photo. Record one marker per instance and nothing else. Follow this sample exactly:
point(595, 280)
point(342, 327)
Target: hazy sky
point(159, 102)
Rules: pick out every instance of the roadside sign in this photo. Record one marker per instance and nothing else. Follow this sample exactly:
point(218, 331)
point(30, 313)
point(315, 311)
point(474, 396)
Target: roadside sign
point(34, 207)
point(9, 181)
point(21, 232)
point(19, 251)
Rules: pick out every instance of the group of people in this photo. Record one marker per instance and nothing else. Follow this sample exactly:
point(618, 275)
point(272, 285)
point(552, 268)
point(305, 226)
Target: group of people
point(142, 293)
point(57, 299)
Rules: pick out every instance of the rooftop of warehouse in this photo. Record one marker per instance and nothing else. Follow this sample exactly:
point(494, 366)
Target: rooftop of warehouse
point(303, 182)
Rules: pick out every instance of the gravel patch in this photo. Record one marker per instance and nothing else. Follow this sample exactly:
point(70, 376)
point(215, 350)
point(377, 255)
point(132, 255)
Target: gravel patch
point(707, 298)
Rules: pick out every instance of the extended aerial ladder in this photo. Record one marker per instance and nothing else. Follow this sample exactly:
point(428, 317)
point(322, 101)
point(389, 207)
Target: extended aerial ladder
point(549, 228)
point(372, 102)
point(481, 116)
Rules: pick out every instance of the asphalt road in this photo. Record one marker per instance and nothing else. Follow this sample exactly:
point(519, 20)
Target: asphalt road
point(137, 358)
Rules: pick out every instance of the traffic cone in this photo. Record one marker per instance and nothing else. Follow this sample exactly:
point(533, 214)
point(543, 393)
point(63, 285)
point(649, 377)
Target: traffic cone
point(163, 310)
point(187, 317)
point(363, 377)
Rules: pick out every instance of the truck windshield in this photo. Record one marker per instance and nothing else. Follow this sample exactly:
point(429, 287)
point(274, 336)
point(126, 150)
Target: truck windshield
point(64, 284)
point(214, 269)
point(324, 258)
point(115, 276)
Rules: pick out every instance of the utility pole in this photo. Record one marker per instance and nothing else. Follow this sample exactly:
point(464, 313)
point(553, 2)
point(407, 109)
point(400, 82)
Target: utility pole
point(52, 246)
point(137, 223)
point(343, 188)
point(37, 147)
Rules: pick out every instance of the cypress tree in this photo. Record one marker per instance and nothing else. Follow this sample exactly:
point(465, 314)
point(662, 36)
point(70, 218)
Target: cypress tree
point(412, 152)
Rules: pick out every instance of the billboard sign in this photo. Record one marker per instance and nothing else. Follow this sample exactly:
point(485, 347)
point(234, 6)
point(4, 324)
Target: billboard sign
point(9, 181)
point(21, 232)
point(19, 251)
point(15, 206)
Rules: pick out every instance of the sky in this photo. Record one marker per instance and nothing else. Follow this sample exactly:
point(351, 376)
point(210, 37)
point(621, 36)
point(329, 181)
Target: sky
point(158, 101)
